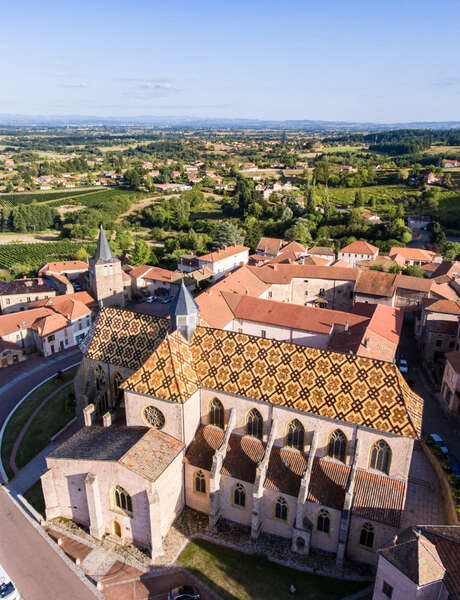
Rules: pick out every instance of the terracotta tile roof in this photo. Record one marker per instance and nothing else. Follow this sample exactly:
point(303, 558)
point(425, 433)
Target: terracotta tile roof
point(125, 338)
point(321, 250)
point(442, 306)
point(49, 324)
point(328, 482)
point(315, 260)
point(201, 451)
point(243, 456)
point(344, 387)
point(376, 283)
point(444, 290)
point(59, 303)
point(285, 469)
point(25, 286)
point(152, 273)
point(150, 456)
point(64, 266)
point(379, 498)
point(427, 553)
point(450, 268)
point(284, 314)
point(416, 284)
point(220, 254)
point(270, 245)
point(359, 248)
point(6, 345)
point(99, 443)
point(9, 323)
point(417, 254)
point(280, 273)
point(214, 309)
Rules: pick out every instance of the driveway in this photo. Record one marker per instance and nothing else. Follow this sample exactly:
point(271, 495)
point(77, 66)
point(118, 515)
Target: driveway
point(33, 564)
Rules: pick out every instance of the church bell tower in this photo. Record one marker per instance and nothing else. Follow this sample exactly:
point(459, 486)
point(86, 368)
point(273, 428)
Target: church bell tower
point(105, 274)
point(184, 313)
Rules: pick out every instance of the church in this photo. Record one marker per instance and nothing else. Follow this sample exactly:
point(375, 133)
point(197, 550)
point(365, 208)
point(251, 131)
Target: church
point(303, 443)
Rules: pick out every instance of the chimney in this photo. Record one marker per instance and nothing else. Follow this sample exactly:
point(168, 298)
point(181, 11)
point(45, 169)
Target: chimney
point(346, 325)
point(107, 419)
point(366, 342)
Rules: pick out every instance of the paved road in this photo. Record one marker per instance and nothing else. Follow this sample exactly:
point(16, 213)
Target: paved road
point(33, 564)
point(17, 380)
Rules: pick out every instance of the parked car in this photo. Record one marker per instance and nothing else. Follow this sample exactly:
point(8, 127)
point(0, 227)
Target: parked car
point(166, 300)
point(440, 443)
point(7, 589)
point(185, 592)
point(151, 299)
point(403, 366)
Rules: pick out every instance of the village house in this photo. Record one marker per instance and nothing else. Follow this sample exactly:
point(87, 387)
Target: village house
point(309, 445)
point(15, 295)
point(450, 387)
point(436, 328)
point(324, 252)
point(357, 251)
point(219, 262)
point(449, 163)
point(412, 256)
point(420, 562)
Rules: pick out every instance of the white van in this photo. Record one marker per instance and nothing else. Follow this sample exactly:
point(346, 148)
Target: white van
point(7, 589)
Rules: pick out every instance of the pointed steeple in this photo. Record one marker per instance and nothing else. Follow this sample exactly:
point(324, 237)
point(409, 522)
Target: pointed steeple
point(184, 312)
point(103, 251)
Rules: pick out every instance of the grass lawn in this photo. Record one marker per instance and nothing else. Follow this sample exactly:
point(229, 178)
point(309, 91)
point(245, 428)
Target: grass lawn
point(382, 193)
point(49, 420)
point(34, 496)
point(235, 575)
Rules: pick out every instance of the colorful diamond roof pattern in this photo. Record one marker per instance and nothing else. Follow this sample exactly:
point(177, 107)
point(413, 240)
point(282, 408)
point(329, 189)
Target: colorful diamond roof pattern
point(125, 338)
point(345, 387)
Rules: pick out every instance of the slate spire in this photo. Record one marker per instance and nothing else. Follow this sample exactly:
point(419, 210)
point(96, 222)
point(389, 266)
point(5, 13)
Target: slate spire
point(184, 312)
point(103, 251)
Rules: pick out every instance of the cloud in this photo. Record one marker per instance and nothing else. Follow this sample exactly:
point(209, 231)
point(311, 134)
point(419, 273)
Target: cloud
point(81, 84)
point(447, 82)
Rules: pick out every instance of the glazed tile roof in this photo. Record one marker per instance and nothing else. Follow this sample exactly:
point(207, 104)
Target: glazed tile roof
point(125, 338)
point(358, 390)
point(379, 498)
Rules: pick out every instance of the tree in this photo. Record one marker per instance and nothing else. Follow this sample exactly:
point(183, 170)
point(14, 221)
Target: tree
point(141, 252)
point(228, 233)
point(82, 254)
point(298, 233)
point(359, 199)
point(450, 250)
point(124, 240)
point(414, 271)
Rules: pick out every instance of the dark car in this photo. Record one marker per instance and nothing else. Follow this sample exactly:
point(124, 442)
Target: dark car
point(454, 465)
point(185, 592)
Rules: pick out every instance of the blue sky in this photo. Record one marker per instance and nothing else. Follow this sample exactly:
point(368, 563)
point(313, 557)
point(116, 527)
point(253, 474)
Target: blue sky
point(351, 61)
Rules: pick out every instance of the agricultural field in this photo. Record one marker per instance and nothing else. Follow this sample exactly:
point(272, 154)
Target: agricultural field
point(340, 149)
point(444, 150)
point(36, 255)
point(29, 197)
point(384, 194)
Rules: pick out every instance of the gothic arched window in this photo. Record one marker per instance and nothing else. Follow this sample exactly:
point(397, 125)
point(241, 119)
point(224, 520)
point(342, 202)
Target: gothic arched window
point(380, 457)
point(216, 413)
point(122, 499)
point(99, 376)
point(323, 523)
point(255, 424)
point(366, 537)
point(117, 380)
point(337, 445)
point(281, 509)
point(200, 482)
point(295, 437)
point(239, 495)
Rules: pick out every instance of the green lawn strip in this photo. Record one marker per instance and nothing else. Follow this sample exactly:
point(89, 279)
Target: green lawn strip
point(34, 496)
point(235, 575)
point(51, 418)
point(19, 418)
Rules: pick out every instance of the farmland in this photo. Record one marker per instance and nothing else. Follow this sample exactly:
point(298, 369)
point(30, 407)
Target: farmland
point(36, 255)
point(15, 199)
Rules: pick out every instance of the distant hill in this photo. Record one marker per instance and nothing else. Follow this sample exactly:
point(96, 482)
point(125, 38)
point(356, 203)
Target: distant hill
point(8, 120)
